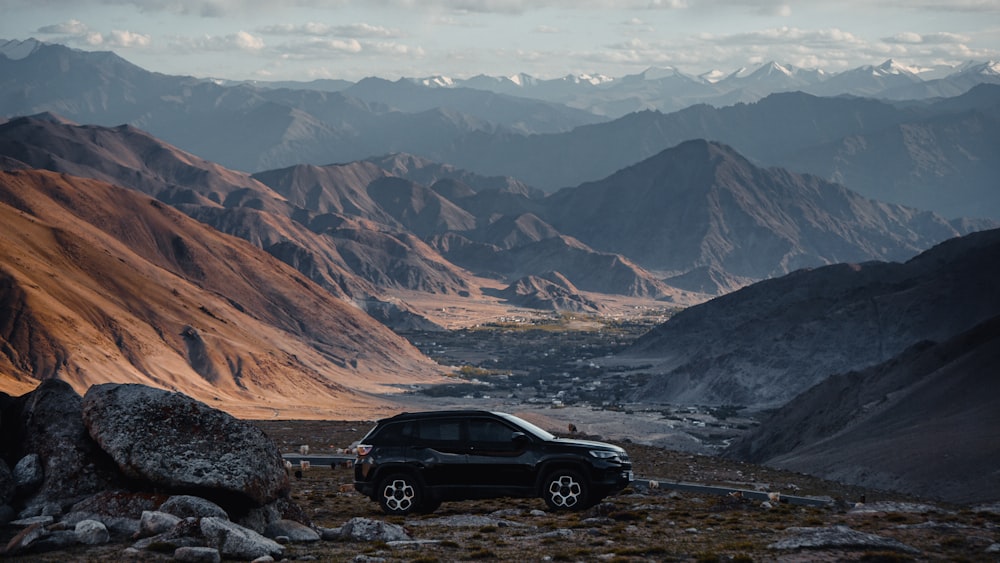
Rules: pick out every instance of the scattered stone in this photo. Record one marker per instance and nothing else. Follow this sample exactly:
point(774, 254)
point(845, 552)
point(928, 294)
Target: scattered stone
point(263, 559)
point(995, 548)
point(173, 441)
point(189, 505)
point(28, 473)
point(235, 541)
point(466, 520)
point(536, 512)
point(91, 532)
point(840, 537)
point(291, 531)
point(197, 555)
point(43, 520)
point(365, 529)
point(993, 508)
point(896, 507)
point(154, 522)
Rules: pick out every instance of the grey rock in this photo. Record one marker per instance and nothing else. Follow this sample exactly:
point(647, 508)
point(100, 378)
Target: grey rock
point(365, 529)
point(839, 537)
point(153, 522)
point(263, 559)
point(235, 541)
point(176, 442)
point(73, 466)
point(91, 532)
point(895, 507)
point(118, 526)
point(28, 473)
point(329, 534)
point(119, 503)
point(466, 520)
point(188, 505)
point(197, 555)
point(291, 530)
point(994, 548)
point(25, 522)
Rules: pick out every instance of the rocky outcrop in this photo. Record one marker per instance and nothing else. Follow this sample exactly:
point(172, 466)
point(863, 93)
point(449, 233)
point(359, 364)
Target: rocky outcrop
point(129, 461)
point(175, 442)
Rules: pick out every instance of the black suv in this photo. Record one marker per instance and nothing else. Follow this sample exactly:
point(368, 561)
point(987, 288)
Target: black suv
point(414, 461)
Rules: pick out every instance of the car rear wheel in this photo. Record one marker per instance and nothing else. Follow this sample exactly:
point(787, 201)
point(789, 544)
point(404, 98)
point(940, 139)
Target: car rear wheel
point(399, 493)
point(565, 489)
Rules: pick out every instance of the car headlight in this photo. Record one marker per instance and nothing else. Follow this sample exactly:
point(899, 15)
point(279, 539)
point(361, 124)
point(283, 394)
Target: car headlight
point(604, 454)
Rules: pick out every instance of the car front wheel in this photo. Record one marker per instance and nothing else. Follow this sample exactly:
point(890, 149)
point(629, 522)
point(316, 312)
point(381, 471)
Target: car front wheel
point(399, 494)
point(566, 490)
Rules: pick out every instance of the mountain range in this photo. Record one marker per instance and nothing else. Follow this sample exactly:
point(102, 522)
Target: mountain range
point(362, 231)
point(930, 144)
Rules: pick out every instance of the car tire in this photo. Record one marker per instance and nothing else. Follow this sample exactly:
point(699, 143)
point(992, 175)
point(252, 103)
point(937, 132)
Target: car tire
point(565, 489)
point(399, 493)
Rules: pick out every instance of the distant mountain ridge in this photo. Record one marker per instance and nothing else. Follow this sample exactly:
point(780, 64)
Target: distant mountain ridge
point(925, 153)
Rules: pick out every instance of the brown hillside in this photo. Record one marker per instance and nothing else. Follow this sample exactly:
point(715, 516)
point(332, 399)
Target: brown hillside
point(101, 284)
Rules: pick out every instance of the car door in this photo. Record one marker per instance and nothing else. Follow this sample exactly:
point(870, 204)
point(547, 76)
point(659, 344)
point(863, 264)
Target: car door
point(496, 460)
point(439, 447)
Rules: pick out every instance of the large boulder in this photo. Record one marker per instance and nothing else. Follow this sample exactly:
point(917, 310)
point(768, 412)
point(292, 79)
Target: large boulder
point(182, 445)
point(47, 422)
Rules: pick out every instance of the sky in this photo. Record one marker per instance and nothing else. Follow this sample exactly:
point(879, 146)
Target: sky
point(352, 39)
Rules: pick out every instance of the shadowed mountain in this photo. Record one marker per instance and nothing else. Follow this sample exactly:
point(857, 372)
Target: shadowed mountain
point(701, 204)
point(766, 343)
point(551, 291)
point(924, 422)
point(105, 284)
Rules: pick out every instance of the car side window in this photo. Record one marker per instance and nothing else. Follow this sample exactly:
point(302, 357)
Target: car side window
point(486, 431)
point(440, 430)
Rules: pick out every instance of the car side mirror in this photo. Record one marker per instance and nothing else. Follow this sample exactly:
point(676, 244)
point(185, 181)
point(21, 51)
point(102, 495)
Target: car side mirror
point(519, 438)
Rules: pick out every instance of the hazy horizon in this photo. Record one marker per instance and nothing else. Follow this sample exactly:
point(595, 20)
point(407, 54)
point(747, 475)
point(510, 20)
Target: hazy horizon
point(347, 39)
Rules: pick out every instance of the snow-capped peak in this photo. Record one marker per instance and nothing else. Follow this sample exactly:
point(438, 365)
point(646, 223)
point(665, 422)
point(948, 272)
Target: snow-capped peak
point(658, 73)
point(892, 67)
point(16, 50)
point(712, 76)
point(522, 79)
point(436, 82)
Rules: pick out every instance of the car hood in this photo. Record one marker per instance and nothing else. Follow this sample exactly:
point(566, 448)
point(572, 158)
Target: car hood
point(589, 444)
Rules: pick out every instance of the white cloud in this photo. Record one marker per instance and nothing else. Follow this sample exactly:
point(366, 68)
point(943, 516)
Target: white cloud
point(911, 38)
point(240, 41)
point(322, 29)
point(71, 27)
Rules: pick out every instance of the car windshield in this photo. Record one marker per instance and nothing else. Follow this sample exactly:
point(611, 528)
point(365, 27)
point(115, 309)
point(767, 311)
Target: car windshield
point(529, 427)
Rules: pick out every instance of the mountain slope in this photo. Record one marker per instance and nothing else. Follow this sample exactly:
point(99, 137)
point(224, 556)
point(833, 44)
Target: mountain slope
point(103, 284)
point(701, 204)
point(764, 344)
point(926, 423)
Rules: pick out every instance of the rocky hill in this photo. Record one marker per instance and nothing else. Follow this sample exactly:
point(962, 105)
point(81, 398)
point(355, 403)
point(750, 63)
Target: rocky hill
point(924, 422)
point(703, 205)
point(101, 283)
point(764, 344)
